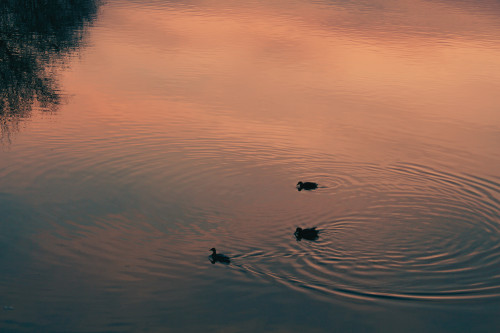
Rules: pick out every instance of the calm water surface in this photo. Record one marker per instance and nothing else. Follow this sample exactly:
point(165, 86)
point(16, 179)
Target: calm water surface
point(137, 135)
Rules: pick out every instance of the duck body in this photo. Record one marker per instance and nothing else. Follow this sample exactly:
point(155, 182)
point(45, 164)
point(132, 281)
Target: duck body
point(218, 257)
point(306, 186)
point(307, 233)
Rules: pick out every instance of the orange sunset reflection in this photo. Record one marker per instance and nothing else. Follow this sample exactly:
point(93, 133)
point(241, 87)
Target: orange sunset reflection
point(264, 78)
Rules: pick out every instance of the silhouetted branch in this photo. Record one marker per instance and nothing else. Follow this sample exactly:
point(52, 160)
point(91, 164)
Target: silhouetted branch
point(34, 36)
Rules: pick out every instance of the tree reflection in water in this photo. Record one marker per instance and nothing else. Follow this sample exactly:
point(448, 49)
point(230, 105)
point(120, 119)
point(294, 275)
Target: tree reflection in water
point(36, 35)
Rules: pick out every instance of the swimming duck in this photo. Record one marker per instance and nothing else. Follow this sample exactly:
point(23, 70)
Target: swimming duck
point(306, 186)
point(218, 257)
point(308, 233)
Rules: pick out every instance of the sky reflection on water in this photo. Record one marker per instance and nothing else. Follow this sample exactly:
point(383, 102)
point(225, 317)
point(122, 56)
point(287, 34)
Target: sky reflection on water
point(185, 126)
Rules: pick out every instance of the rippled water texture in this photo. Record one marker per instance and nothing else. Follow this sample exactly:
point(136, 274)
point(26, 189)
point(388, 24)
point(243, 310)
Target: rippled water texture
point(137, 135)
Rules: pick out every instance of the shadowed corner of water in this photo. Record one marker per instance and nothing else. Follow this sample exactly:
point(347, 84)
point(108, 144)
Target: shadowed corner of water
point(34, 37)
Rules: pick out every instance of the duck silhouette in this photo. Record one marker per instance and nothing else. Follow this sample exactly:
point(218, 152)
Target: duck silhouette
point(306, 186)
point(307, 233)
point(217, 257)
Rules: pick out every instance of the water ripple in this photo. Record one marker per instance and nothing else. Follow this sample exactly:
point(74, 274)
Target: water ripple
point(422, 234)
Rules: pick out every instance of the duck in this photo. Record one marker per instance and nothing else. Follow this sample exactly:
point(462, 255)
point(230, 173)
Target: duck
point(307, 233)
point(218, 257)
point(306, 186)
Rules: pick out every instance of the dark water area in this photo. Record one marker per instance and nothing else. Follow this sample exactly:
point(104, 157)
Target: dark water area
point(137, 135)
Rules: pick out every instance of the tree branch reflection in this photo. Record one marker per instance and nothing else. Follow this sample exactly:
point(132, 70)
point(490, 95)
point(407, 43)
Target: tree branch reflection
point(36, 35)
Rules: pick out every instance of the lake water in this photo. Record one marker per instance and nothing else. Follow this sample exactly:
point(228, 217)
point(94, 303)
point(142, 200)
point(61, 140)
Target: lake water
point(137, 135)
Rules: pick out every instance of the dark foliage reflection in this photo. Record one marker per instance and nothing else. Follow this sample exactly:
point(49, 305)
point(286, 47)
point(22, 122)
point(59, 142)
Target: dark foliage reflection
point(34, 36)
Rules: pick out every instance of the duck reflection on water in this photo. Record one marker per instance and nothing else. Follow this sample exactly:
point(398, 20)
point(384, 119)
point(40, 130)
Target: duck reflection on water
point(307, 233)
point(218, 257)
